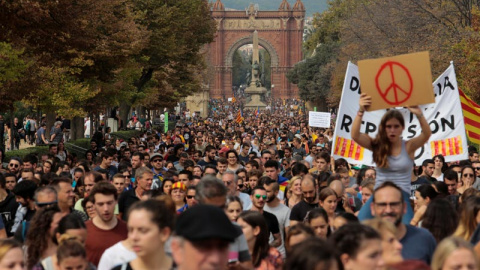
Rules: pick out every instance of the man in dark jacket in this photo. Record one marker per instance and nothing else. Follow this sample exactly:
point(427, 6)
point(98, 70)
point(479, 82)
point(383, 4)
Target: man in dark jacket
point(8, 206)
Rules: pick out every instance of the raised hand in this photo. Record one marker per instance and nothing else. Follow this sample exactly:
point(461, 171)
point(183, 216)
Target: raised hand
point(415, 110)
point(365, 101)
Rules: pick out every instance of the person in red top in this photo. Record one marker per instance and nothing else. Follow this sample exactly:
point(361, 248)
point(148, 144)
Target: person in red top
point(104, 230)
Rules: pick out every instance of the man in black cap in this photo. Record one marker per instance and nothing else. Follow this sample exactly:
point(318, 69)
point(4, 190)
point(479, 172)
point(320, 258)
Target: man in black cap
point(203, 235)
point(212, 191)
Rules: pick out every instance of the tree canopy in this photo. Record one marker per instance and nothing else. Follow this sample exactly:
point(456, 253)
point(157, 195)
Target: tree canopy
point(85, 55)
point(363, 29)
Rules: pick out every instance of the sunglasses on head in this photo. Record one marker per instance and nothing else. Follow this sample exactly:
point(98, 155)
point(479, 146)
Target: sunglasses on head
point(258, 196)
point(48, 204)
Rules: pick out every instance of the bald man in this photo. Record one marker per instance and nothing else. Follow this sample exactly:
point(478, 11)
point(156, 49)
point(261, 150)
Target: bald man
point(346, 202)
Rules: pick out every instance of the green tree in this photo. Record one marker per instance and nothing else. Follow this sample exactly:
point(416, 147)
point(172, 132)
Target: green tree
point(12, 69)
point(241, 67)
point(171, 63)
point(312, 75)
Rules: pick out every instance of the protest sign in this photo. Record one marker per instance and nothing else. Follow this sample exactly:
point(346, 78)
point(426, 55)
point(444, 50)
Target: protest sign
point(398, 81)
point(444, 117)
point(319, 119)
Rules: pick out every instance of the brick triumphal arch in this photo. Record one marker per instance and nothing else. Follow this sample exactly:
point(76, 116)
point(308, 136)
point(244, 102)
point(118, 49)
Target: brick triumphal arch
point(280, 34)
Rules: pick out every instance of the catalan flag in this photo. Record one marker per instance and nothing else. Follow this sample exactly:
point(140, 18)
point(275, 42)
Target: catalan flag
point(239, 118)
point(447, 147)
point(348, 148)
point(471, 115)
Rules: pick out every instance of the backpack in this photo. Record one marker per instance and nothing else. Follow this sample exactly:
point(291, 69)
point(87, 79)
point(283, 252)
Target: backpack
point(27, 126)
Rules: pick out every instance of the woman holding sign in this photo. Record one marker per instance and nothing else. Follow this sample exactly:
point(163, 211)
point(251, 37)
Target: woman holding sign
point(393, 155)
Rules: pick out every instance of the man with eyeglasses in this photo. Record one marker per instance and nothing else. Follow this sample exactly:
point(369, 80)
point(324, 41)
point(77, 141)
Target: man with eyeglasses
point(212, 191)
point(15, 165)
point(259, 198)
point(388, 204)
point(190, 197)
point(476, 168)
point(156, 162)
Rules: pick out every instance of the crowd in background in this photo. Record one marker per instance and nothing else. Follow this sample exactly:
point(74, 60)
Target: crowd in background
point(217, 193)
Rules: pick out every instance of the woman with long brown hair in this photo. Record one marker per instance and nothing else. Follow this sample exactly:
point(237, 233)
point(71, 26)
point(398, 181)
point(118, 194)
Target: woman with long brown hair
point(256, 232)
point(468, 218)
point(39, 240)
point(393, 155)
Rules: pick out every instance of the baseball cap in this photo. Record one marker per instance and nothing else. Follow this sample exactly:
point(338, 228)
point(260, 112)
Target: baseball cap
point(123, 144)
point(224, 150)
point(156, 155)
point(202, 222)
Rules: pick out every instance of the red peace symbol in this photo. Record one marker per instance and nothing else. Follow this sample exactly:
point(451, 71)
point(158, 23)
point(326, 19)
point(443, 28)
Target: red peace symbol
point(401, 93)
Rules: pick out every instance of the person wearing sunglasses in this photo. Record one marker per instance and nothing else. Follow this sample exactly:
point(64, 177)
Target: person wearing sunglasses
point(15, 165)
point(476, 168)
point(191, 196)
point(467, 178)
point(259, 198)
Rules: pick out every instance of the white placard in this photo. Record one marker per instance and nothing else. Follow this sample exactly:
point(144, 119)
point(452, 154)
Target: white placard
point(445, 118)
point(319, 119)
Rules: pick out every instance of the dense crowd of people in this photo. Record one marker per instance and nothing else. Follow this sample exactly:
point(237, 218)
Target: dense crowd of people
point(260, 193)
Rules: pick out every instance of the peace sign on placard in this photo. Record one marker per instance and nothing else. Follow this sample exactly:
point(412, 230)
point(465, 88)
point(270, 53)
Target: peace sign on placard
point(397, 91)
point(399, 81)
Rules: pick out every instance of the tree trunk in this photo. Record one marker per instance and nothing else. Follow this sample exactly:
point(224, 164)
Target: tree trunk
point(78, 128)
point(124, 113)
point(91, 117)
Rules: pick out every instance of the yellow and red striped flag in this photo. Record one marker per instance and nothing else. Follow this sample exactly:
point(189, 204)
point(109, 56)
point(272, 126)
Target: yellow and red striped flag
point(239, 118)
point(348, 148)
point(471, 116)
